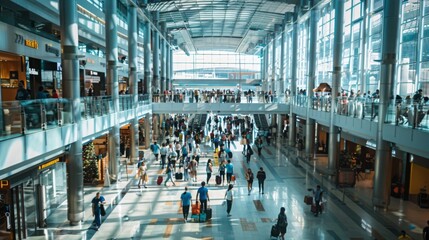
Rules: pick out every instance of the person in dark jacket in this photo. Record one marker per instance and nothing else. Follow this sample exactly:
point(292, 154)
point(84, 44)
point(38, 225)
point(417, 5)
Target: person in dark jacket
point(22, 93)
point(261, 178)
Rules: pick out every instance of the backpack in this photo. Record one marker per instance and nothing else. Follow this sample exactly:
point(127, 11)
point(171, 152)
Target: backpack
point(230, 154)
point(22, 94)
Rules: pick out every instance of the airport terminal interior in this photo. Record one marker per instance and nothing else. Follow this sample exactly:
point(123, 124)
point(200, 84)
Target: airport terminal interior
point(229, 119)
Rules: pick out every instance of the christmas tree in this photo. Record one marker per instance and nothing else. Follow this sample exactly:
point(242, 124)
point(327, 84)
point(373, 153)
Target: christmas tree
point(90, 166)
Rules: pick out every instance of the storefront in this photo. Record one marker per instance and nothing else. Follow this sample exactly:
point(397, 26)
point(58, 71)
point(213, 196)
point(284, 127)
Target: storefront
point(92, 76)
point(32, 196)
point(418, 181)
point(34, 60)
point(12, 70)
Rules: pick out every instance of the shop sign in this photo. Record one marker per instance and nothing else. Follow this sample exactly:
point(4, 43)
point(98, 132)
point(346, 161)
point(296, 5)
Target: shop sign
point(33, 71)
point(48, 164)
point(4, 184)
point(93, 73)
point(50, 49)
point(19, 39)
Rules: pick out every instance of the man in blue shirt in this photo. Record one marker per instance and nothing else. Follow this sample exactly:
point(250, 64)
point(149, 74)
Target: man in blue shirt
point(97, 201)
point(155, 149)
point(203, 192)
point(229, 171)
point(186, 202)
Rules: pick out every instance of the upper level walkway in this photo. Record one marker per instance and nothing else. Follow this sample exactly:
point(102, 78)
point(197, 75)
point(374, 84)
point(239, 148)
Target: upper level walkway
point(41, 129)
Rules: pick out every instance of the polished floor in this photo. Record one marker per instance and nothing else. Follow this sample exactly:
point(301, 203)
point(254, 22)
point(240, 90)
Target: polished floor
point(155, 213)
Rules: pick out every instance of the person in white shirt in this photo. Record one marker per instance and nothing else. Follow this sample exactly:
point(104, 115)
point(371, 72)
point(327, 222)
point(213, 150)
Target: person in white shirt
point(197, 153)
point(163, 152)
point(229, 198)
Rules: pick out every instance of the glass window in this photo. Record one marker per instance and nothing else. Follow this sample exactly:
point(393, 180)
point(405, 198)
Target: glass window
point(376, 5)
point(211, 64)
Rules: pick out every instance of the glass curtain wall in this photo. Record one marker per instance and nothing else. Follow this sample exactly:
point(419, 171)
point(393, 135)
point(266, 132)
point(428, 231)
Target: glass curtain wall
point(410, 61)
point(374, 45)
point(288, 56)
point(352, 51)
point(278, 53)
point(302, 58)
point(424, 64)
point(270, 61)
point(324, 48)
point(215, 65)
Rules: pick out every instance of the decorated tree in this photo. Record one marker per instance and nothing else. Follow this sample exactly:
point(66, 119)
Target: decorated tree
point(90, 166)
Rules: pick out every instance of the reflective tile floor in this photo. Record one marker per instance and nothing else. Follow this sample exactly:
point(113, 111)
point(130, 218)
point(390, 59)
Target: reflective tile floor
point(155, 212)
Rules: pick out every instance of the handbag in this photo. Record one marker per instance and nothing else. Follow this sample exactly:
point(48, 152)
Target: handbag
point(102, 210)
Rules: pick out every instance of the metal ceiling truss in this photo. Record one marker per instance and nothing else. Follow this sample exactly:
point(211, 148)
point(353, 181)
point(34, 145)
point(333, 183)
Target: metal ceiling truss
point(229, 25)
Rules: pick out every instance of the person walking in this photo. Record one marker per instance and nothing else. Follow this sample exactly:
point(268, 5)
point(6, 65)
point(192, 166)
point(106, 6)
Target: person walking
point(261, 178)
point(209, 170)
point(426, 231)
point(259, 145)
point(169, 173)
point(172, 155)
point(156, 150)
point(203, 193)
point(193, 168)
point(97, 203)
point(249, 178)
point(318, 198)
point(229, 198)
point(229, 171)
point(249, 153)
point(222, 168)
point(163, 152)
point(186, 198)
point(282, 222)
point(197, 153)
point(142, 174)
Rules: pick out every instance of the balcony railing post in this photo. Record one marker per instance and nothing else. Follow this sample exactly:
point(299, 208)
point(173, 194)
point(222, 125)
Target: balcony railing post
point(59, 115)
point(23, 121)
point(43, 116)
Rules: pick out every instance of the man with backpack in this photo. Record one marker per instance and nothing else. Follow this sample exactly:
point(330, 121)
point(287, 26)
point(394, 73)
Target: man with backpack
point(22, 93)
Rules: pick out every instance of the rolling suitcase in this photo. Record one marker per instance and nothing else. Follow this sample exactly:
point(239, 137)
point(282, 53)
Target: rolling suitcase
point(159, 180)
point(274, 231)
point(208, 213)
point(218, 180)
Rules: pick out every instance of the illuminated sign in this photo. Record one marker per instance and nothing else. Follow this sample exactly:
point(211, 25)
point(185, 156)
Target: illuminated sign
point(31, 43)
point(4, 184)
point(19, 39)
point(33, 71)
point(48, 164)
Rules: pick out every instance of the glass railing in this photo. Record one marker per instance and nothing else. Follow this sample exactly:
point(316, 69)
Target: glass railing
point(221, 98)
point(401, 113)
point(409, 114)
point(20, 117)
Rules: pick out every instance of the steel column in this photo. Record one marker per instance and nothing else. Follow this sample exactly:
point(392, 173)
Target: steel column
point(71, 91)
point(383, 154)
